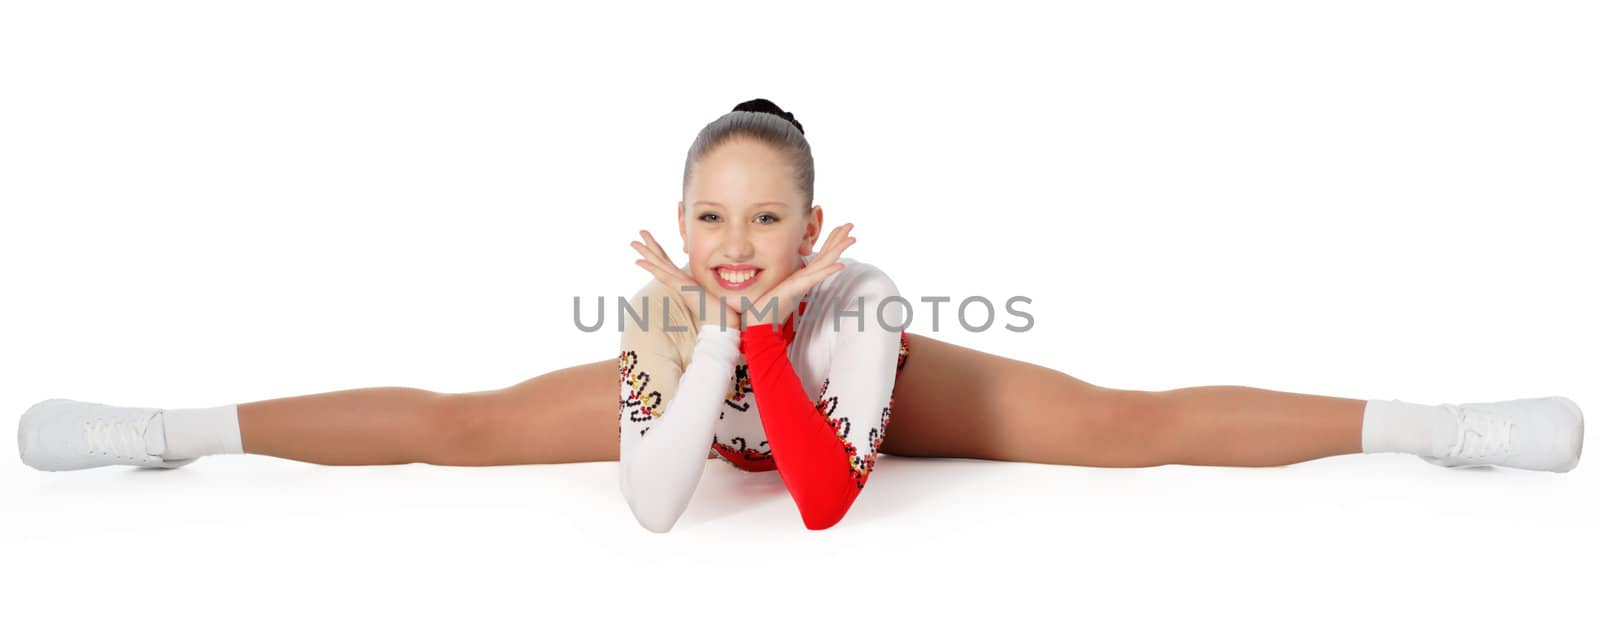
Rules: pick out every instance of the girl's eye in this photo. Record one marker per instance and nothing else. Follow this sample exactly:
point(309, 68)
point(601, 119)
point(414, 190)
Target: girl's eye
point(770, 217)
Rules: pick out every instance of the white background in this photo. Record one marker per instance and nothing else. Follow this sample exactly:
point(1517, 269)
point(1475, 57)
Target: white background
point(207, 203)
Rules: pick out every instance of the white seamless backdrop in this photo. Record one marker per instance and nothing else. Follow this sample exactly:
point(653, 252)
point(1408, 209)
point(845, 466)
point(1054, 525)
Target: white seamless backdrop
point(204, 203)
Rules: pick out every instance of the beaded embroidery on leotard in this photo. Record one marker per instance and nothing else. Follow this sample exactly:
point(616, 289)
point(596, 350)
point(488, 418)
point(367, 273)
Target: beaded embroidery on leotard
point(851, 372)
point(737, 452)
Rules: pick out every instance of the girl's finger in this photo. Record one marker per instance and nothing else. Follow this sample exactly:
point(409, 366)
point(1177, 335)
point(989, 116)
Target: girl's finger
point(639, 247)
point(820, 254)
point(838, 248)
point(666, 276)
point(658, 259)
point(666, 262)
point(839, 235)
point(801, 284)
point(670, 278)
point(816, 278)
point(805, 281)
point(833, 237)
point(649, 266)
point(833, 241)
point(655, 265)
point(843, 231)
point(831, 254)
point(644, 247)
point(655, 247)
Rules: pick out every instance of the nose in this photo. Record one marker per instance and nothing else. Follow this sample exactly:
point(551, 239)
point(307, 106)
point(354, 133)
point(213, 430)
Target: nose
point(736, 244)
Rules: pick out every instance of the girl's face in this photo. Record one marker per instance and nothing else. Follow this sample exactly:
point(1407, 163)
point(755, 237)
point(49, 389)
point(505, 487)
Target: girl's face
point(742, 222)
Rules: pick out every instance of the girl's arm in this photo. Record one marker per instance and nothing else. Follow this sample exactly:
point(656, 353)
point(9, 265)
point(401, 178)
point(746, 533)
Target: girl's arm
point(825, 449)
point(668, 413)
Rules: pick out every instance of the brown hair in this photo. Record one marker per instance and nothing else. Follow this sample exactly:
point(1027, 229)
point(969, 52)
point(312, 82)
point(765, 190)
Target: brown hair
point(764, 121)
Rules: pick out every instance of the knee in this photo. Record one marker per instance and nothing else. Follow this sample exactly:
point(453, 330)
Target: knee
point(1142, 426)
point(455, 428)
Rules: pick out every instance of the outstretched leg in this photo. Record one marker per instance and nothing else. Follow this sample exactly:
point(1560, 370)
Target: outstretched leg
point(952, 401)
point(567, 415)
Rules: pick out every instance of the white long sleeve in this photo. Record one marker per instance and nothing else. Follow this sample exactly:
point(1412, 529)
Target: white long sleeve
point(825, 385)
point(668, 415)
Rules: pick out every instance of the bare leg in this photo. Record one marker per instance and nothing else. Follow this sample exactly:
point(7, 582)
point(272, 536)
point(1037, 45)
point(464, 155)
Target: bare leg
point(952, 401)
point(380, 425)
point(1246, 426)
point(568, 415)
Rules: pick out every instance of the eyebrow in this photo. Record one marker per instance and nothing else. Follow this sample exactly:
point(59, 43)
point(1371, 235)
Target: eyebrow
point(756, 204)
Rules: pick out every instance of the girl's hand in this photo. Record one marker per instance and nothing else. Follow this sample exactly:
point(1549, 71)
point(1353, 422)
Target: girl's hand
point(656, 262)
point(800, 283)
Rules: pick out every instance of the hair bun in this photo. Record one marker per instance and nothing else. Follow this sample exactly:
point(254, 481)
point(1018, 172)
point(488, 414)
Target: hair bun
point(763, 105)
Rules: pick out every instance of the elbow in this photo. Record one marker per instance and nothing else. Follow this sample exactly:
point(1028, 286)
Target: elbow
point(650, 498)
point(655, 518)
point(821, 516)
point(817, 521)
point(822, 507)
point(655, 524)
point(652, 515)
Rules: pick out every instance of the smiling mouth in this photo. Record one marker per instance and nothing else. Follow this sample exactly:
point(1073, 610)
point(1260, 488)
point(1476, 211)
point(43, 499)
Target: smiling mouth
point(736, 279)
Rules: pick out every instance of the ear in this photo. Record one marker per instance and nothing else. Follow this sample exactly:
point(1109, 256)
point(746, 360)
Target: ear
point(683, 230)
point(813, 231)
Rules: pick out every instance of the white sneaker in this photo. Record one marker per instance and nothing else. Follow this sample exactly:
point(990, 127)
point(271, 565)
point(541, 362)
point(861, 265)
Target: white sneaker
point(1541, 434)
point(66, 435)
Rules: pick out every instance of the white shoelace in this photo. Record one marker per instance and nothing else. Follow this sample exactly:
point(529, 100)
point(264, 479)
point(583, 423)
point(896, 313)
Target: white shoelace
point(121, 437)
point(1480, 435)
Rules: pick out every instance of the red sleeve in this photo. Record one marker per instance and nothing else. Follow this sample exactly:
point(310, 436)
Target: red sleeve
point(810, 457)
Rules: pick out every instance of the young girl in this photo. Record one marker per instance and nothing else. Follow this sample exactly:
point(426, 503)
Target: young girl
point(749, 225)
point(675, 393)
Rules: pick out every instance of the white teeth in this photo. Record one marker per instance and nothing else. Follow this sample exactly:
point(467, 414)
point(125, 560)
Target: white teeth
point(736, 277)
